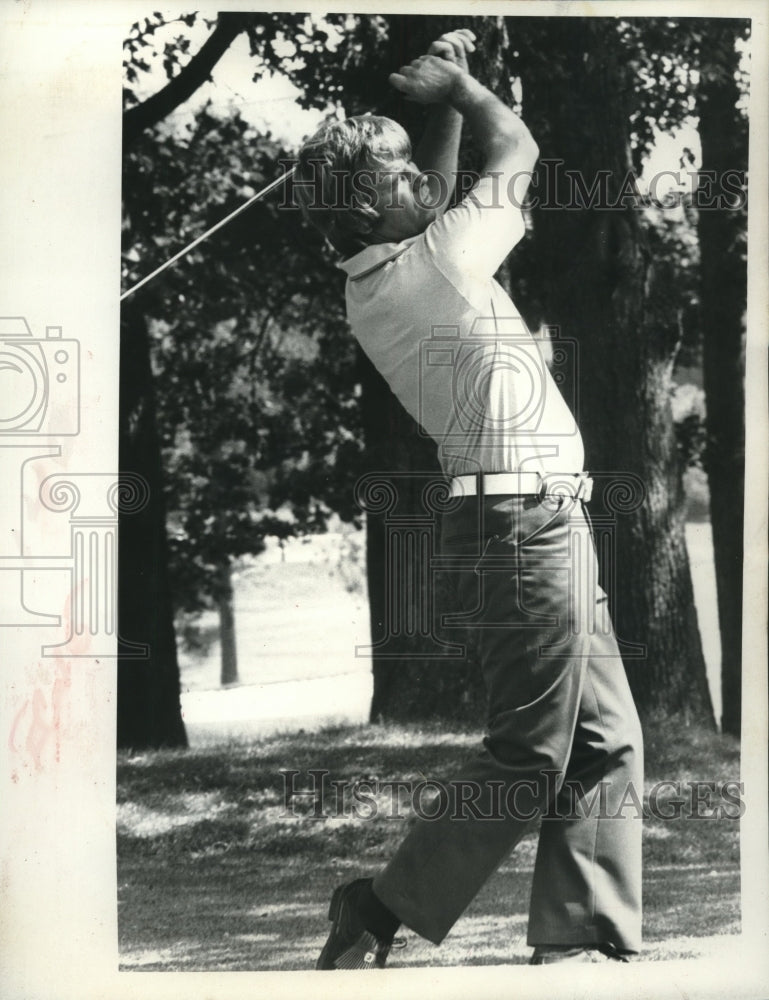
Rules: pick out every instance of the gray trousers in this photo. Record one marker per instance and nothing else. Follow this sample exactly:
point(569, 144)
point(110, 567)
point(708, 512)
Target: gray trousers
point(564, 741)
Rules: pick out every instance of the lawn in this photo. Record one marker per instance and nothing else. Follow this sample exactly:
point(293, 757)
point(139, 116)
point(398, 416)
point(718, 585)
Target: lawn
point(214, 873)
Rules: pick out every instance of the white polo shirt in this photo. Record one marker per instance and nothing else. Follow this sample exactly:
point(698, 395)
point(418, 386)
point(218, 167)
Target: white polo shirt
point(454, 349)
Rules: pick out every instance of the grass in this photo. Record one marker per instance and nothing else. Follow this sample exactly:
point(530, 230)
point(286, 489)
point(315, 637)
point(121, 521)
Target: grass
point(215, 874)
point(295, 620)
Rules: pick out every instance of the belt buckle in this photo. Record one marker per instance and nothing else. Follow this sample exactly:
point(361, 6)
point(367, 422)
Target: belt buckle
point(583, 491)
point(585, 488)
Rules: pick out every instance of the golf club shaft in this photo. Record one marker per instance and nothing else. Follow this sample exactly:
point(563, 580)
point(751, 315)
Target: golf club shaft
point(223, 222)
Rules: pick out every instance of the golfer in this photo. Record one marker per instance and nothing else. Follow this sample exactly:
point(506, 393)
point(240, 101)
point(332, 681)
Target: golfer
point(563, 740)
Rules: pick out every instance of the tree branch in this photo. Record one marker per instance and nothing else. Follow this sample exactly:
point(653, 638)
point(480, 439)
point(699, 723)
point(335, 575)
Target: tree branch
point(183, 86)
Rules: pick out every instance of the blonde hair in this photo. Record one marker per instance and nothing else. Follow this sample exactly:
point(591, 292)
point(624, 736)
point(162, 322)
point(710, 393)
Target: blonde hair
point(336, 153)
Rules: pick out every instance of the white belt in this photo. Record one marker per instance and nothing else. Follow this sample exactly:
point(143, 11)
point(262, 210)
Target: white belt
point(555, 484)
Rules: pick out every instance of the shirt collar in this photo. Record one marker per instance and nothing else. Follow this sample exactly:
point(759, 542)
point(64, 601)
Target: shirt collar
point(372, 257)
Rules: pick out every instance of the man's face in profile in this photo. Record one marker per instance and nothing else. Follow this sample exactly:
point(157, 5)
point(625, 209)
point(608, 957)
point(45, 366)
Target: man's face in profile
point(405, 200)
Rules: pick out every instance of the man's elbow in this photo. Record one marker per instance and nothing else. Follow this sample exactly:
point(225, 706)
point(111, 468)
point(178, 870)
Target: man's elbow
point(514, 153)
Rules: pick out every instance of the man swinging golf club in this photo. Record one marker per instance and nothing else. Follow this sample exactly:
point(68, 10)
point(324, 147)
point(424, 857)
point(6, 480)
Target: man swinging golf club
point(562, 726)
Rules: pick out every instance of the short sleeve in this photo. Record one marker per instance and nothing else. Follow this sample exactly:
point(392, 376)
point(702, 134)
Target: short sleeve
point(473, 238)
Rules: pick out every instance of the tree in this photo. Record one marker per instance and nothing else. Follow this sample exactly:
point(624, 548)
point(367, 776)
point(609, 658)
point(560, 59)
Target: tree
point(148, 709)
point(723, 238)
point(601, 287)
point(147, 688)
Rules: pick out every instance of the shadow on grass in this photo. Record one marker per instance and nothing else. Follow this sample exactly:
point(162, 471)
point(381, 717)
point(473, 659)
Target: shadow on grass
point(215, 873)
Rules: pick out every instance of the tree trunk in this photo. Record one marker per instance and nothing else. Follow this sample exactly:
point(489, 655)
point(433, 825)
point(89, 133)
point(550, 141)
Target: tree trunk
point(723, 297)
point(599, 289)
point(148, 708)
point(229, 671)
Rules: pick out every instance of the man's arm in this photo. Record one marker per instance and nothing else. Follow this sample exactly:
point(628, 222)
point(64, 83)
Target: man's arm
point(507, 146)
point(472, 239)
point(438, 148)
